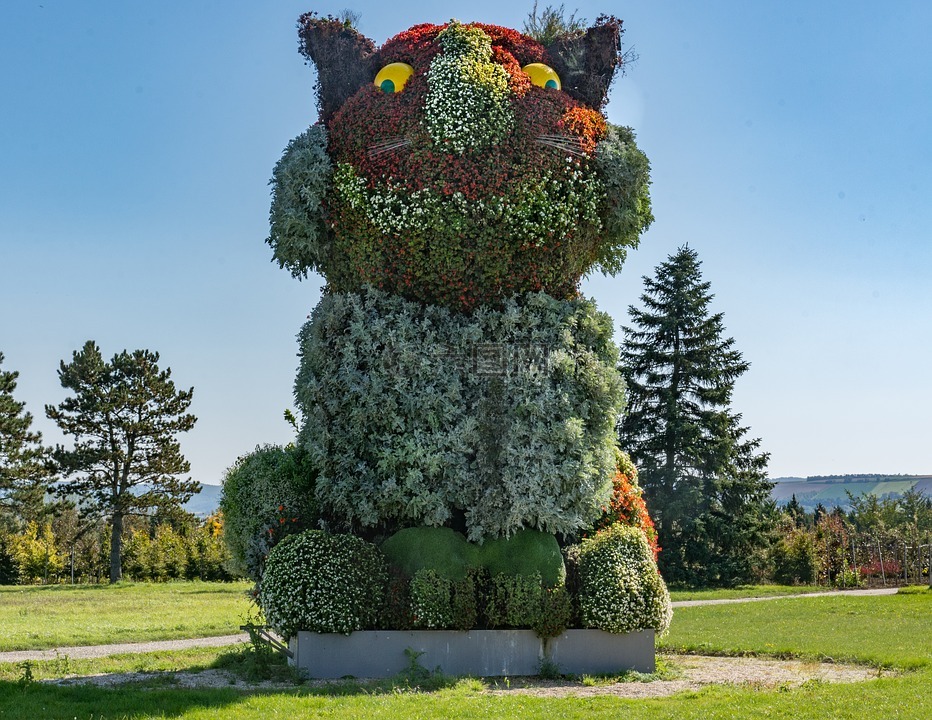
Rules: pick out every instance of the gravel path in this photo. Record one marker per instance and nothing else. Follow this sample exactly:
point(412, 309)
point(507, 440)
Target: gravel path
point(95, 651)
point(695, 672)
point(729, 601)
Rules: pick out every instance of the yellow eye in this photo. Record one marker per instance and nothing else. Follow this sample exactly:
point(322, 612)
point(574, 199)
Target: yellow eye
point(392, 77)
point(543, 75)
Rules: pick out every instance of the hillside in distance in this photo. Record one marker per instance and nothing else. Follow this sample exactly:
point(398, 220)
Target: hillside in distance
point(832, 490)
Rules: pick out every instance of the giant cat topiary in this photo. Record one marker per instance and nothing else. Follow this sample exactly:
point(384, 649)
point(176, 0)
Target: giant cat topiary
point(460, 181)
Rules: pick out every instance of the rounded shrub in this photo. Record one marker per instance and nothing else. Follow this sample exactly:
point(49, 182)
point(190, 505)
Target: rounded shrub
point(527, 552)
point(267, 494)
point(620, 589)
point(442, 550)
point(323, 583)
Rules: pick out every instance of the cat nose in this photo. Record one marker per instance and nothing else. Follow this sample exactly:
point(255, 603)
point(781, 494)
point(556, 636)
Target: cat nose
point(468, 103)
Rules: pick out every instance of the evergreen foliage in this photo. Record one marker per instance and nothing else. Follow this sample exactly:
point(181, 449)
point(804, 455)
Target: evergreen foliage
point(124, 416)
point(298, 233)
point(442, 550)
point(24, 468)
point(704, 480)
point(528, 553)
point(267, 494)
point(503, 419)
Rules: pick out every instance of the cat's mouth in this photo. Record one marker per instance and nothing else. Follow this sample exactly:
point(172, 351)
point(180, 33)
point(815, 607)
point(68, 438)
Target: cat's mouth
point(563, 143)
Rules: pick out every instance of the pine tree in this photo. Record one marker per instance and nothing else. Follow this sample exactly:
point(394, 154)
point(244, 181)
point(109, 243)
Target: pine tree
point(704, 481)
point(124, 416)
point(24, 467)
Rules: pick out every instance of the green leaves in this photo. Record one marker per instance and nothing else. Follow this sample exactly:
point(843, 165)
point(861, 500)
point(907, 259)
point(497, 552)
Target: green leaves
point(24, 469)
point(414, 414)
point(298, 235)
point(704, 482)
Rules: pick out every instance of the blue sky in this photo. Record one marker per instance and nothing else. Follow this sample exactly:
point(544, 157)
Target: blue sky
point(789, 143)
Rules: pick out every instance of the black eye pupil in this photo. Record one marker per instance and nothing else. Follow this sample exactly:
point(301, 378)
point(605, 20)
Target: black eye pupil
point(387, 86)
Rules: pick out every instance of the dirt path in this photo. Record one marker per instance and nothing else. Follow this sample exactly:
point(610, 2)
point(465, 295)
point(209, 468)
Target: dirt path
point(830, 593)
point(95, 651)
point(693, 672)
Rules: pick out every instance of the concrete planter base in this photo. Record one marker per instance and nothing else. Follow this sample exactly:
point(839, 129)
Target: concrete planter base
point(479, 653)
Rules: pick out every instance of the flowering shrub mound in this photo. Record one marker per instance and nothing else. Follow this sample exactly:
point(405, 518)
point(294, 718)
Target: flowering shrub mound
point(323, 583)
point(468, 185)
point(620, 589)
point(266, 495)
point(627, 504)
point(414, 414)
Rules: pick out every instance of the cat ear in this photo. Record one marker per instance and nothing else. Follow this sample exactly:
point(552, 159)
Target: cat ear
point(586, 63)
point(343, 58)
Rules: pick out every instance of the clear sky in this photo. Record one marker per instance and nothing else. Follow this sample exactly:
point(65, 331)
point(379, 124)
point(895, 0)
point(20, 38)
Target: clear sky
point(791, 146)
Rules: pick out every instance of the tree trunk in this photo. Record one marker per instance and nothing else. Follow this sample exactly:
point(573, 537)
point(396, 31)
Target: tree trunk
point(116, 549)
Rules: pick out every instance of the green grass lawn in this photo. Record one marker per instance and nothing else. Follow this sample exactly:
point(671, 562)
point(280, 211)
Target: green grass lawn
point(892, 631)
point(36, 618)
point(886, 630)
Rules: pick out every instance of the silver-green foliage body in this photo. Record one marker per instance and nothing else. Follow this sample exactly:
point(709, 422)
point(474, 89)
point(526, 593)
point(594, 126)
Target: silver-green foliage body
point(625, 174)
point(620, 589)
point(406, 426)
point(322, 583)
point(301, 180)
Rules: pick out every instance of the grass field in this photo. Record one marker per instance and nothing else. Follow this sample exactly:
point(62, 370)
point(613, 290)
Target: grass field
point(892, 631)
point(35, 618)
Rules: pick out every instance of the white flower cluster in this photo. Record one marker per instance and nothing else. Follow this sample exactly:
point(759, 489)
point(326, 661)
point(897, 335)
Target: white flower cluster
point(556, 205)
point(394, 210)
point(549, 208)
point(620, 590)
point(467, 100)
point(323, 583)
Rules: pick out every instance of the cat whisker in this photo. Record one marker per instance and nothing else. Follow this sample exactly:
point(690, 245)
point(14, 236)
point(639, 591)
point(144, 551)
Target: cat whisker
point(561, 142)
point(387, 145)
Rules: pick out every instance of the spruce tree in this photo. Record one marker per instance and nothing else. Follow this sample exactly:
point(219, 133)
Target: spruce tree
point(124, 416)
point(24, 467)
point(704, 481)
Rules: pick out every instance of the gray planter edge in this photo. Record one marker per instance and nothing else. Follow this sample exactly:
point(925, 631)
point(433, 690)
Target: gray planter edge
point(477, 653)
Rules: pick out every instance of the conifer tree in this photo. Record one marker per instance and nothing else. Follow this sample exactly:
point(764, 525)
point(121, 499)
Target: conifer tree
point(704, 481)
point(24, 467)
point(124, 416)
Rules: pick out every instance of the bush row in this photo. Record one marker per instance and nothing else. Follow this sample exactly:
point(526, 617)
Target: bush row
point(324, 582)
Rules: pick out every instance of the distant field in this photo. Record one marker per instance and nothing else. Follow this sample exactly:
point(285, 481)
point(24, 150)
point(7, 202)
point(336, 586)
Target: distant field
point(831, 493)
point(41, 617)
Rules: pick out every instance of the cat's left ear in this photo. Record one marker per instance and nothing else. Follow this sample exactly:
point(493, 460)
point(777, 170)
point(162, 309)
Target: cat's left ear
point(586, 63)
point(343, 57)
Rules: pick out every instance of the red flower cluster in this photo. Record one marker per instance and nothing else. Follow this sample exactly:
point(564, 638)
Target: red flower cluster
point(416, 46)
point(627, 505)
point(587, 124)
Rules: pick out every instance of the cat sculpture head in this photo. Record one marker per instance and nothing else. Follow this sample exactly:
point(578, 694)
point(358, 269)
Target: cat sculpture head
point(459, 164)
